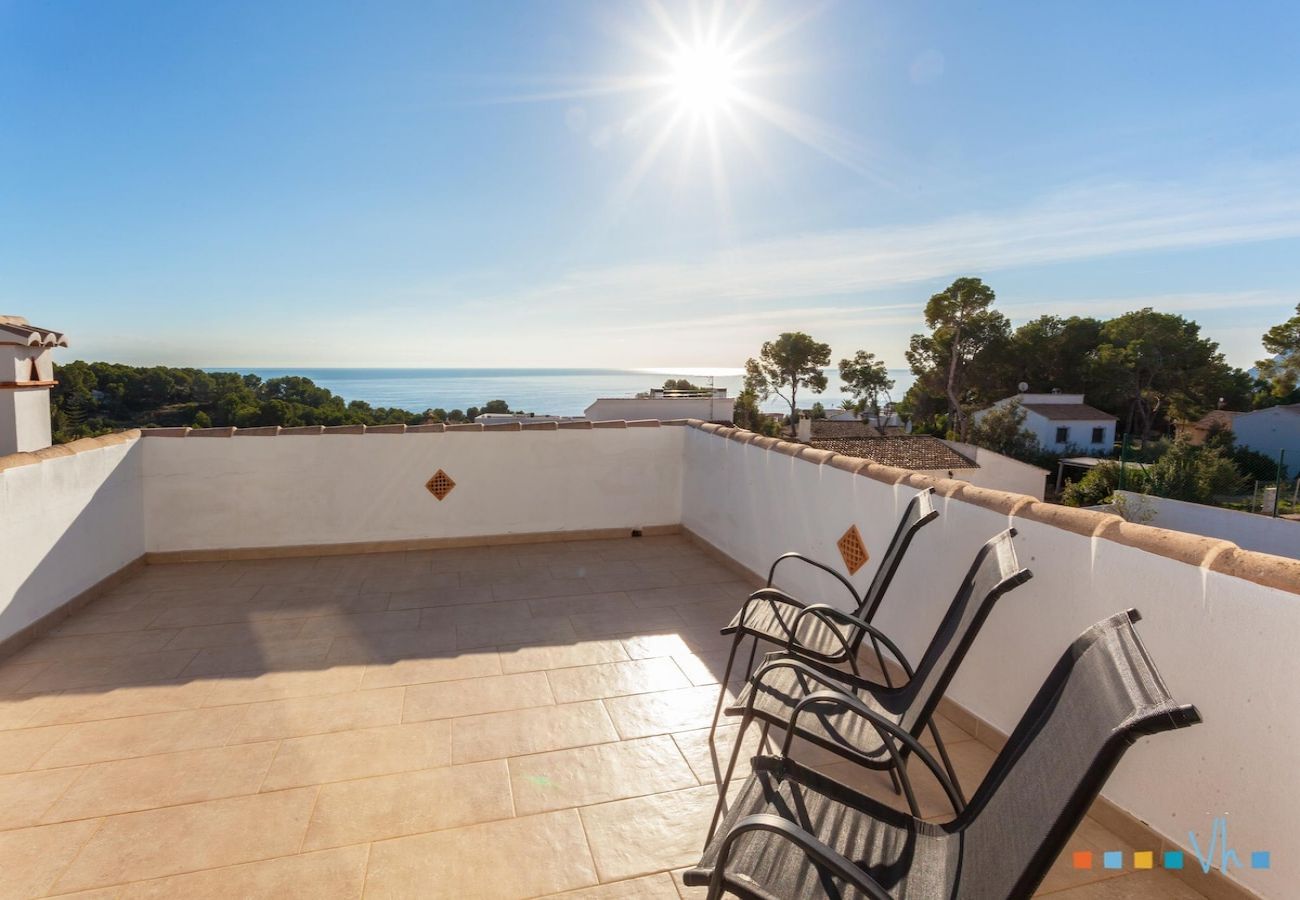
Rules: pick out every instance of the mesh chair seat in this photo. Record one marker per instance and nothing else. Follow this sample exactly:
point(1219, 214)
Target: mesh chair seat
point(771, 619)
point(908, 857)
point(778, 692)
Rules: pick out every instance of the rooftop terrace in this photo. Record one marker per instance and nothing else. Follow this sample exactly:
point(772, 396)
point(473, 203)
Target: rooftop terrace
point(291, 668)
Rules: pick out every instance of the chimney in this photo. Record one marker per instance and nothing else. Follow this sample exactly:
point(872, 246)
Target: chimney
point(803, 428)
point(26, 376)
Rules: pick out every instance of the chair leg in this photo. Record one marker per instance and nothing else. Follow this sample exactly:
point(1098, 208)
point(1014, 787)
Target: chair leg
point(749, 667)
point(726, 677)
point(726, 779)
point(947, 763)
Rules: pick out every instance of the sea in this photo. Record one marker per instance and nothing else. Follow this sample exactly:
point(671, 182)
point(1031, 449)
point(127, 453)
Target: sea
point(563, 392)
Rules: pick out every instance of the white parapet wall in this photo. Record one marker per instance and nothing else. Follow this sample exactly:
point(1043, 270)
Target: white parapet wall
point(1223, 641)
point(1252, 531)
point(220, 493)
point(70, 517)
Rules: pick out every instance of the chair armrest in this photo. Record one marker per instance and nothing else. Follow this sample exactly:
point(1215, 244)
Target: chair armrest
point(829, 613)
point(811, 847)
point(848, 585)
point(889, 732)
point(773, 597)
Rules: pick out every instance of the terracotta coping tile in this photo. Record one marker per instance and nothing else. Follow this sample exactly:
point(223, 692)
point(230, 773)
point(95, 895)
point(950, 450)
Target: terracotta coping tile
point(612, 423)
point(303, 429)
point(1278, 572)
point(1000, 501)
point(344, 429)
point(848, 463)
point(789, 448)
point(813, 455)
point(765, 442)
point(1087, 522)
point(675, 422)
point(228, 431)
point(14, 460)
point(262, 431)
point(430, 428)
point(467, 426)
point(710, 427)
point(541, 426)
point(166, 432)
point(743, 436)
point(887, 474)
point(503, 426)
point(1193, 549)
point(581, 426)
point(643, 423)
point(58, 450)
point(399, 428)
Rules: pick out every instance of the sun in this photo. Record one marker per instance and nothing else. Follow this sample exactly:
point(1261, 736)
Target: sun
point(703, 79)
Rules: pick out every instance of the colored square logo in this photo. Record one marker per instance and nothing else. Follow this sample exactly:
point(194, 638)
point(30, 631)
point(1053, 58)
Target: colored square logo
point(1082, 859)
point(1260, 860)
point(1173, 859)
point(1112, 859)
point(1143, 859)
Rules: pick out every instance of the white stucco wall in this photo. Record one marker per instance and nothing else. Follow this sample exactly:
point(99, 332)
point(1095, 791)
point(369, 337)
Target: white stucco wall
point(66, 523)
point(24, 419)
point(230, 492)
point(1080, 433)
point(1000, 472)
point(1219, 641)
point(1270, 430)
point(1252, 531)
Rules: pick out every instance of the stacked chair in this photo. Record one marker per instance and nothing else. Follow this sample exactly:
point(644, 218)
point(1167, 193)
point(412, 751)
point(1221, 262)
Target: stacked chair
point(795, 832)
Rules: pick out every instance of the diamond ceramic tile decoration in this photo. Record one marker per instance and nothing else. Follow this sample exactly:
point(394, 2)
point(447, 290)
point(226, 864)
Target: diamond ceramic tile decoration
point(440, 484)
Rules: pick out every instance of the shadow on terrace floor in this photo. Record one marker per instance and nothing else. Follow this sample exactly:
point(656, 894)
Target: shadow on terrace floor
point(408, 724)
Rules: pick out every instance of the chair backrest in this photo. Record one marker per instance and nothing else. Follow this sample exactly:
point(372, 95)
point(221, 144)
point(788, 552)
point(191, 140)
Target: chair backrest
point(994, 572)
point(920, 512)
point(1103, 694)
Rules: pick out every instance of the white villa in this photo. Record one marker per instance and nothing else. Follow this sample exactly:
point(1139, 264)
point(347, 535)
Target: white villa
point(1063, 421)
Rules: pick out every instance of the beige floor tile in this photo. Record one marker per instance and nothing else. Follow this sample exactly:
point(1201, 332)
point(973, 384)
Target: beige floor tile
point(663, 712)
point(388, 806)
point(551, 630)
point(25, 796)
point(366, 752)
point(650, 646)
point(950, 733)
point(197, 595)
point(141, 668)
point(32, 858)
point(582, 653)
point(13, 675)
point(91, 622)
point(21, 748)
point(1150, 885)
point(21, 710)
point(109, 739)
point(283, 685)
point(360, 623)
point(648, 834)
point(709, 760)
point(484, 861)
point(616, 679)
point(96, 647)
point(421, 671)
point(272, 656)
point(116, 703)
point(301, 716)
point(710, 614)
point(625, 621)
point(504, 734)
point(400, 582)
point(679, 594)
point(218, 614)
point(254, 633)
point(445, 617)
point(474, 696)
point(582, 776)
point(1089, 836)
point(160, 842)
point(579, 604)
point(633, 581)
point(168, 779)
point(328, 875)
point(650, 887)
point(313, 605)
point(391, 646)
point(707, 668)
point(529, 588)
point(465, 594)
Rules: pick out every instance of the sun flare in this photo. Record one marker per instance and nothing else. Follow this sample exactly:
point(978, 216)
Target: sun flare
point(703, 79)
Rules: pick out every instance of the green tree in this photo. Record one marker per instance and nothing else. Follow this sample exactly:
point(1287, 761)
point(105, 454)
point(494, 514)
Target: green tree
point(746, 414)
point(1050, 352)
point(1282, 370)
point(954, 358)
point(680, 384)
point(817, 411)
point(1195, 474)
point(792, 361)
point(865, 378)
point(1099, 484)
point(1002, 430)
point(496, 406)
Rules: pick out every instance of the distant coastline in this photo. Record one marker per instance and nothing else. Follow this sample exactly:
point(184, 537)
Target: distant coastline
point(558, 391)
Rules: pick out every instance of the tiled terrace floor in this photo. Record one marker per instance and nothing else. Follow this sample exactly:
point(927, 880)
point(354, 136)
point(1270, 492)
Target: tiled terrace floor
point(508, 722)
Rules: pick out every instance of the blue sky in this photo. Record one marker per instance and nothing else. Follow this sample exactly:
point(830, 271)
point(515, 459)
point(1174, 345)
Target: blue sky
point(531, 184)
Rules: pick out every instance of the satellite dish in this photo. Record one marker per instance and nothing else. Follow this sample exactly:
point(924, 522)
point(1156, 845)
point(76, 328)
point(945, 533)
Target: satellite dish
point(1023, 387)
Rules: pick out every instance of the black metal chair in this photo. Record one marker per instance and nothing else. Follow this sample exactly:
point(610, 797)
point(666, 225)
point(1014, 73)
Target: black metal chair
point(793, 832)
point(774, 692)
point(770, 613)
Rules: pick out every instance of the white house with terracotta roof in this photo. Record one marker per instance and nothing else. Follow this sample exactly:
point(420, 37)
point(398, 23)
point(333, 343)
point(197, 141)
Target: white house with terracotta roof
point(1062, 421)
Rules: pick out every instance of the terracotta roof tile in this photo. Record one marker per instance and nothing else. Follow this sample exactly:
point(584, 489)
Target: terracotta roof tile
point(826, 430)
point(910, 451)
point(1071, 411)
